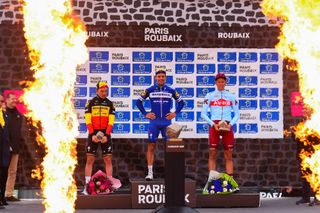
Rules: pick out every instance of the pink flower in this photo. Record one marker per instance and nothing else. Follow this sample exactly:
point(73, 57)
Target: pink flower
point(102, 187)
point(98, 183)
point(91, 184)
point(93, 193)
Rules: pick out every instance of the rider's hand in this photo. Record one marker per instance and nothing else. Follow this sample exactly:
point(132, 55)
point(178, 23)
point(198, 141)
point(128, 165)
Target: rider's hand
point(150, 115)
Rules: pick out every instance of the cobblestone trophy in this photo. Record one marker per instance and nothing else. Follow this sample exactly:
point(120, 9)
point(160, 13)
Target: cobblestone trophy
point(223, 126)
point(174, 173)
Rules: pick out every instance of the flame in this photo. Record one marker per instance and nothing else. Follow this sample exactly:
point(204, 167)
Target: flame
point(56, 43)
point(299, 41)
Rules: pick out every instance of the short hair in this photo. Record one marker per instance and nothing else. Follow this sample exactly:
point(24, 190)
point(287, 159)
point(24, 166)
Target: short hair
point(161, 71)
point(9, 94)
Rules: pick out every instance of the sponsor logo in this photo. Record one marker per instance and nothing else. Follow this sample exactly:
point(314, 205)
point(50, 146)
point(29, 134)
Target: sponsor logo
point(120, 104)
point(121, 128)
point(269, 104)
point(98, 68)
point(184, 56)
point(184, 68)
point(248, 117)
point(269, 68)
point(248, 92)
point(233, 35)
point(163, 56)
point(227, 57)
point(169, 80)
point(79, 103)
point(206, 68)
point(98, 34)
point(205, 56)
point(202, 128)
point(120, 68)
point(185, 116)
point(119, 56)
point(160, 95)
point(141, 56)
point(227, 68)
point(120, 80)
point(186, 92)
point(189, 104)
point(95, 79)
point(248, 104)
point(202, 92)
point(248, 128)
point(268, 80)
point(269, 92)
point(92, 91)
point(82, 128)
point(248, 57)
point(248, 80)
point(122, 116)
point(80, 91)
point(140, 128)
point(269, 116)
point(101, 56)
point(161, 35)
point(221, 103)
point(120, 92)
point(269, 128)
point(142, 68)
point(81, 80)
point(231, 80)
point(269, 57)
point(184, 80)
point(141, 80)
point(205, 80)
point(139, 117)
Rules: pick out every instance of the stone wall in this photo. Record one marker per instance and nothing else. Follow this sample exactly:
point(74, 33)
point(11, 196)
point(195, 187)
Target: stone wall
point(258, 162)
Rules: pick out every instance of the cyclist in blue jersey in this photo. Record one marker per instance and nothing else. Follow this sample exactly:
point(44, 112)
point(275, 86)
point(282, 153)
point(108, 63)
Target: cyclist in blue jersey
point(220, 103)
point(160, 116)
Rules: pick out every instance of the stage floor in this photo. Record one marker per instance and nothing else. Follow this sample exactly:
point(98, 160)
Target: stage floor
point(279, 205)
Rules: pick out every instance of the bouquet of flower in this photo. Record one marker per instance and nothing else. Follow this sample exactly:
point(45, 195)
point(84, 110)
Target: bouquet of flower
point(221, 183)
point(99, 184)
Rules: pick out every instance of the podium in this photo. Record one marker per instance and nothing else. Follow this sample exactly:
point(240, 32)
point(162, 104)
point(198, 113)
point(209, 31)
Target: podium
point(174, 179)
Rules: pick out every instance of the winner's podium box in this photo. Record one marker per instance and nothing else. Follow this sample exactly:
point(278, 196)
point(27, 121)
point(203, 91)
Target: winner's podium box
point(151, 194)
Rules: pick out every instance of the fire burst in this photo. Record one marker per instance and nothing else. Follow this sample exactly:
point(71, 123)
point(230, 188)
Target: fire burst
point(299, 41)
point(56, 42)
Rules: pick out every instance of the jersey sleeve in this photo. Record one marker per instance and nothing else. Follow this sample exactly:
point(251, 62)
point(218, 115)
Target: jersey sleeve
point(235, 107)
point(176, 96)
point(111, 119)
point(144, 95)
point(87, 115)
point(204, 111)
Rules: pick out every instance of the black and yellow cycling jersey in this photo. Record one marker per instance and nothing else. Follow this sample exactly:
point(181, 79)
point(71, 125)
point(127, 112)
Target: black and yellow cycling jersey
point(99, 114)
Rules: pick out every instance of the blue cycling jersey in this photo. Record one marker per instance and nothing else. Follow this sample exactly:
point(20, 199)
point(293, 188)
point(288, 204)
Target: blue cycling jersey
point(161, 100)
point(221, 104)
point(161, 103)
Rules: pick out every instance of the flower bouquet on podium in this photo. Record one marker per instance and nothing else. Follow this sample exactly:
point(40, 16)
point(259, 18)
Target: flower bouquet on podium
point(101, 184)
point(220, 183)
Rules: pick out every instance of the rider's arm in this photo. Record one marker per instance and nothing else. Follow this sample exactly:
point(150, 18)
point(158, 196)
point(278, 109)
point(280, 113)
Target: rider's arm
point(235, 107)
point(204, 111)
point(111, 119)
point(179, 100)
point(139, 103)
point(87, 116)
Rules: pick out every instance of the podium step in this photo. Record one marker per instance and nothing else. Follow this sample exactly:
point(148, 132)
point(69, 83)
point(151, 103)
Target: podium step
point(227, 201)
point(110, 201)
